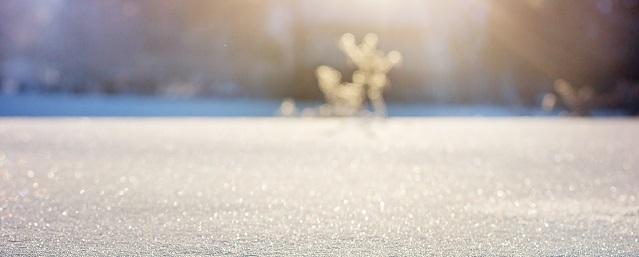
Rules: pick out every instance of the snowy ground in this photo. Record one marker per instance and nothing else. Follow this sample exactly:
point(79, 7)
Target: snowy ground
point(136, 106)
point(319, 187)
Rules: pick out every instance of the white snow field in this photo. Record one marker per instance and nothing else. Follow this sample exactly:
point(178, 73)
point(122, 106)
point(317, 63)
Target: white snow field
point(319, 187)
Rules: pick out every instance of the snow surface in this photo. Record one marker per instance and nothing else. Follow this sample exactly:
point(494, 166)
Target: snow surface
point(136, 106)
point(319, 187)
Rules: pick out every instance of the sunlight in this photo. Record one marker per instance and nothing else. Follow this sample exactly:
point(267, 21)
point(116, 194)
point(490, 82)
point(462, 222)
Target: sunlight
point(394, 13)
point(319, 128)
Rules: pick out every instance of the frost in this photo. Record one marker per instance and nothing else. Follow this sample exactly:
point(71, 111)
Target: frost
point(585, 99)
point(319, 187)
point(372, 65)
point(369, 80)
point(342, 99)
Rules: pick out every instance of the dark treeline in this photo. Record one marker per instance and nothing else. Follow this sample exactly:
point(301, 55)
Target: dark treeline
point(463, 51)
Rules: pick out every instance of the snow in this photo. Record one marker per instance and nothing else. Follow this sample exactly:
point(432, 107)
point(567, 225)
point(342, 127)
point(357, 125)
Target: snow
point(127, 106)
point(135, 106)
point(319, 187)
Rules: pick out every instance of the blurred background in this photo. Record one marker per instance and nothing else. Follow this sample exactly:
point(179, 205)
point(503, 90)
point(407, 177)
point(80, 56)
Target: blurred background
point(482, 54)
